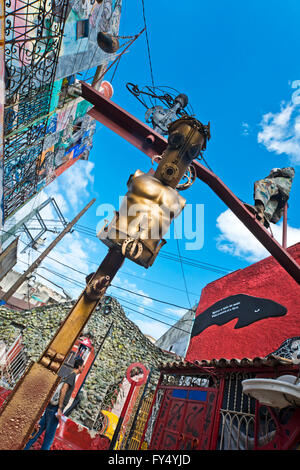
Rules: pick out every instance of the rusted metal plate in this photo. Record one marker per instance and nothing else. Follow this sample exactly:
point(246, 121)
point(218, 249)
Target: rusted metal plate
point(84, 307)
point(25, 407)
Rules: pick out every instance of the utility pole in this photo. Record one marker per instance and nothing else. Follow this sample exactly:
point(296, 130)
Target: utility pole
point(45, 253)
point(11, 232)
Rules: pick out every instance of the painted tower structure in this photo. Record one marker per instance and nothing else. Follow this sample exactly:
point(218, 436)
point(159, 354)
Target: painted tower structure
point(48, 47)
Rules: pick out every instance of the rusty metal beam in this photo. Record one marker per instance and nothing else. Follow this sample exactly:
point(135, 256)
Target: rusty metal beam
point(151, 143)
point(31, 395)
point(25, 406)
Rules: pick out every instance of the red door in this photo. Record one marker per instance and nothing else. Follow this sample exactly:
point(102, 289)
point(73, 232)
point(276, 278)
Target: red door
point(185, 419)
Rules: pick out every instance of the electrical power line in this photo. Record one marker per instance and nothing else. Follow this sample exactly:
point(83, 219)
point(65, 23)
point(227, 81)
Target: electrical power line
point(167, 255)
point(148, 47)
point(183, 275)
point(46, 279)
point(112, 285)
point(143, 279)
point(82, 285)
point(160, 321)
point(126, 307)
point(170, 256)
point(78, 283)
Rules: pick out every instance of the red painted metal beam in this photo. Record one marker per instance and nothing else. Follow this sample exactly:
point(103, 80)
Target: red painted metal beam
point(151, 143)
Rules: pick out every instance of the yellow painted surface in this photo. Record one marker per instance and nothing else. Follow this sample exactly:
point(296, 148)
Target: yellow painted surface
point(29, 399)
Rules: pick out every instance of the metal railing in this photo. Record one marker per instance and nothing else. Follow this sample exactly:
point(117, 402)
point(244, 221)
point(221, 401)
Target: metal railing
point(13, 364)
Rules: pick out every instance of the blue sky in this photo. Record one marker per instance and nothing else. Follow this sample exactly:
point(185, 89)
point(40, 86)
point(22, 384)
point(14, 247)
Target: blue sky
point(238, 64)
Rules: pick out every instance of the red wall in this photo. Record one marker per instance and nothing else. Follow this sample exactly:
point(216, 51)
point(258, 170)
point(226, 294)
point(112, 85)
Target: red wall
point(265, 279)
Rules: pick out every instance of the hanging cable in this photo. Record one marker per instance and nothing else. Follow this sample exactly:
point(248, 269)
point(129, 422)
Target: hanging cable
point(140, 313)
point(166, 254)
point(148, 47)
point(182, 270)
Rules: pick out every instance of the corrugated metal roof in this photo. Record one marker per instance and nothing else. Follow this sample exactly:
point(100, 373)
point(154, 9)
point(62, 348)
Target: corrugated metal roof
point(270, 361)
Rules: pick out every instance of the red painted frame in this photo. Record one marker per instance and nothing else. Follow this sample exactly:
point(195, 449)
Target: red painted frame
point(185, 404)
point(151, 143)
point(287, 436)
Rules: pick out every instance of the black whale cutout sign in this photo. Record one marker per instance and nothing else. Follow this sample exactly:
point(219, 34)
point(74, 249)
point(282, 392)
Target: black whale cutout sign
point(245, 308)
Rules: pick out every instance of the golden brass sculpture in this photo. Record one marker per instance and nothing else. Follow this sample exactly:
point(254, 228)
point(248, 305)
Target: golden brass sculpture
point(145, 216)
point(152, 202)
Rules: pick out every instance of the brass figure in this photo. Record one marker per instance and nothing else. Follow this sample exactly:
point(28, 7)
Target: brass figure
point(144, 218)
point(152, 201)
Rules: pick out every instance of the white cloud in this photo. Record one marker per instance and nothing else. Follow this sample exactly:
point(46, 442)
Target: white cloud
point(237, 240)
point(76, 182)
point(143, 299)
point(280, 132)
point(245, 128)
point(152, 328)
point(178, 312)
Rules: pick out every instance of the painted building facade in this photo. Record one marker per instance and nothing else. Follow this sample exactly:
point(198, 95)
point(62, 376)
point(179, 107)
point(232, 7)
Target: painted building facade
point(248, 313)
point(46, 129)
point(177, 338)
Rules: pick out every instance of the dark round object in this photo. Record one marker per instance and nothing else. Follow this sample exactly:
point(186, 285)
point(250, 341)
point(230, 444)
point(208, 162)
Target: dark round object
point(175, 140)
point(107, 43)
point(194, 150)
point(182, 99)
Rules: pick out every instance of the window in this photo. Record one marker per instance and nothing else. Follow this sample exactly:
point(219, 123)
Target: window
point(82, 29)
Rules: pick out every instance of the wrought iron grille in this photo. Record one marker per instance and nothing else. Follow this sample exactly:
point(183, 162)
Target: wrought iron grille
point(13, 364)
point(237, 425)
point(135, 438)
point(33, 35)
point(193, 380)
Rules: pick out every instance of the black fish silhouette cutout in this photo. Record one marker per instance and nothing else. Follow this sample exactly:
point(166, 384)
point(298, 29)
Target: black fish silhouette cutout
point(245, 308)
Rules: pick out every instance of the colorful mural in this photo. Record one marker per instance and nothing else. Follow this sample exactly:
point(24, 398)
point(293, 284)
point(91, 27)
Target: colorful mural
point(2, 101)
point(252, 312)
point(80, 50)
point(46, 126)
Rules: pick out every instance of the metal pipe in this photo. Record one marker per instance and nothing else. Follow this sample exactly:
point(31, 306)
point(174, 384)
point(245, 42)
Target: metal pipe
point(121, 418)
point(284, 226)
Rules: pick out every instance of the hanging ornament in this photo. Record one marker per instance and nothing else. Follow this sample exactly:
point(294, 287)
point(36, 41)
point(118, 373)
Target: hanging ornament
point(107, 42)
